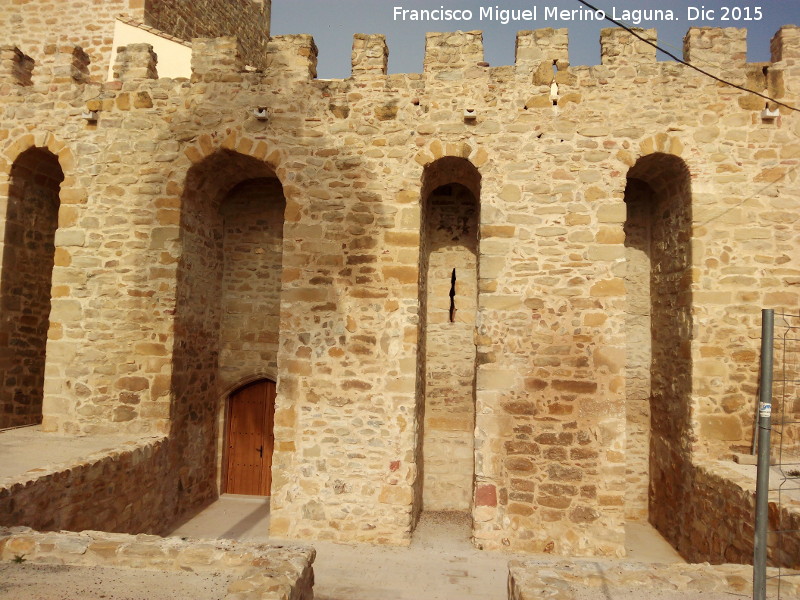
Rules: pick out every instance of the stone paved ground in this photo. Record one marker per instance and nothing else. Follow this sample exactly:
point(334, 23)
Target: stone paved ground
point(440, 564)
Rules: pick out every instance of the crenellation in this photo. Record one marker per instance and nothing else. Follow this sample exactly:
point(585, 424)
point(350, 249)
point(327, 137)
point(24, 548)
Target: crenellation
point(213, 58)
point(784, 76)
point(720, 51)
point(73, 65)
point(549, 46)
point(452, 51)
point(292, 56)
point(84, 23)
point(135, 61)
point(543, 52)
point(370, 55)
point(785, 44)
point(15, 66)
point(619, 47)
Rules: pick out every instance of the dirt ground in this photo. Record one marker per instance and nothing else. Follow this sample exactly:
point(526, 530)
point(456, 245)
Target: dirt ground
point(647, 594)
point(440, 564)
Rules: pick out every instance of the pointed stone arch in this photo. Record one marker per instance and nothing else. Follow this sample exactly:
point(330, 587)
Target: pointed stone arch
point(661, 143)
point(233, 141)
point(437, 149)
point(44, 140)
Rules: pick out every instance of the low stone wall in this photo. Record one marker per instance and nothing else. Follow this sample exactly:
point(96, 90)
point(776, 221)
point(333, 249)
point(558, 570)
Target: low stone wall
point(128, 489)
point(612, 580)
point(261, 572)
point(717, 520)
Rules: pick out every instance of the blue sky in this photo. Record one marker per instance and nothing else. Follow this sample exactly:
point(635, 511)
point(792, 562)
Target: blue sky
point(333, 23)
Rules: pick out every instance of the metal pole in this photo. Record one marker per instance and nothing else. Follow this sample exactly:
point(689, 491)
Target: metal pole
point(762, 477)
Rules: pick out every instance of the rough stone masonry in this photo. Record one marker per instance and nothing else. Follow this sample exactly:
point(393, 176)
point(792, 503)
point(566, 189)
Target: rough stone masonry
point(530, 291)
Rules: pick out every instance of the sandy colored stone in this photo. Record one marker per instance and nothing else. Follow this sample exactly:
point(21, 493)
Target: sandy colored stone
point(609, 274)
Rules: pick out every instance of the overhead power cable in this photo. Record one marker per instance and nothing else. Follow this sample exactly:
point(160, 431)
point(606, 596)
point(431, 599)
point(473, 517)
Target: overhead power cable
point(683, 62)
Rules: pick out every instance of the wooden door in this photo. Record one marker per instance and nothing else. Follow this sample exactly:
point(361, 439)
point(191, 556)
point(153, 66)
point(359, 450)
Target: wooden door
point(251, 411)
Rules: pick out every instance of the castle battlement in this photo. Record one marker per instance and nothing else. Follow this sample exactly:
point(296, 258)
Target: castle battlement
point(541, 59)
point(722, 51)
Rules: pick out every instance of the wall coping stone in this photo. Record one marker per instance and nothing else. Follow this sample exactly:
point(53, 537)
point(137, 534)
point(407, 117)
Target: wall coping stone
point(265, 571)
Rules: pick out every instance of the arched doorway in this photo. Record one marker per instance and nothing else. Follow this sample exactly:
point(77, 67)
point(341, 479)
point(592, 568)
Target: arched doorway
point(249, 439)
point(658, 233)
point(227, 306)
point(449, 295)
point(27, 247)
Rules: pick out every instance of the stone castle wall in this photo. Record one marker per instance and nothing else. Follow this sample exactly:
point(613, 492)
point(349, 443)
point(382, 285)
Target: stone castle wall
point(143, 321)
point(129, 489)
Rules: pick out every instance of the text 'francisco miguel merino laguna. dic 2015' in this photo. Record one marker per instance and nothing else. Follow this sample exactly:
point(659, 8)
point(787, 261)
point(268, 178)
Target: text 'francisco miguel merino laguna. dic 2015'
point(534, 13)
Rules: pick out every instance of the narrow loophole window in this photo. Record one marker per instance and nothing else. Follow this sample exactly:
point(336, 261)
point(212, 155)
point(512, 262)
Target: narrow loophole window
point(453, 297)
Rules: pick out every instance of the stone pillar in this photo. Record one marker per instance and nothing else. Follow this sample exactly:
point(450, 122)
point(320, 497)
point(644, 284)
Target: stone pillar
point(453, 51)
point(15, 67)
point(370, 55)
point(618, 47)
point(293, 56)
point(136, 61)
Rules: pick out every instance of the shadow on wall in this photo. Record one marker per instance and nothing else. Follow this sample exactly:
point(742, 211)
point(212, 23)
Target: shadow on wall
point(28, 254)
point(659, 323)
